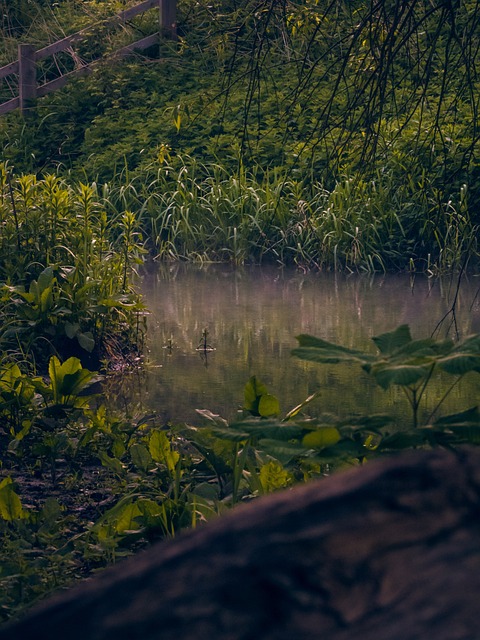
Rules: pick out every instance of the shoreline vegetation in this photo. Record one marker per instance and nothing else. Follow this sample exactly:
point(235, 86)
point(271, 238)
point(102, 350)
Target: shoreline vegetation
point(178, 209)
point(275, 133)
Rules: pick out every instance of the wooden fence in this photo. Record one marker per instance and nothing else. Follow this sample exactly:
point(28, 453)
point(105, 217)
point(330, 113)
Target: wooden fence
point(25, 67)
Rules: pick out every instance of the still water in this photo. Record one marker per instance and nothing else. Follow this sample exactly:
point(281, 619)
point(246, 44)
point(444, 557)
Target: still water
point(249, 317)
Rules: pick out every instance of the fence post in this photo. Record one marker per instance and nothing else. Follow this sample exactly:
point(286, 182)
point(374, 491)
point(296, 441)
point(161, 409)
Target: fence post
point(168, 19)
point(27, 89)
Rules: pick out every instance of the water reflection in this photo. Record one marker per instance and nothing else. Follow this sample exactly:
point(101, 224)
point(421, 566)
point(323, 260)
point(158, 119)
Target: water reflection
point(249, 318)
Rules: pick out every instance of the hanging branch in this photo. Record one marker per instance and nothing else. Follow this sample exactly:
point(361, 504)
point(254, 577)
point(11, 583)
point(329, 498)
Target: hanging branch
point(351, 57)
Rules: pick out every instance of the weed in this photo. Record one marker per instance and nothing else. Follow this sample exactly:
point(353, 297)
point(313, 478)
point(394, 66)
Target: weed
point(68, 290)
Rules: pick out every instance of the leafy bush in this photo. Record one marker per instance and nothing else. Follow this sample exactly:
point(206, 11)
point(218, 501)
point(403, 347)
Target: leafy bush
point(66, 270)
point(370, 176)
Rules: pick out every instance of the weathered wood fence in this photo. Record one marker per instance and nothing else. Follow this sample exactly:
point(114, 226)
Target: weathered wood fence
point(25, 67)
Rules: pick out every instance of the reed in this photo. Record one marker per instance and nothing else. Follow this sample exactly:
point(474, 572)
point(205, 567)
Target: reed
point(191, 211)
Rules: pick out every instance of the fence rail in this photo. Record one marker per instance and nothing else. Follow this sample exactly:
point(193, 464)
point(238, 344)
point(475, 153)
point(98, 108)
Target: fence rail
point(25, 67)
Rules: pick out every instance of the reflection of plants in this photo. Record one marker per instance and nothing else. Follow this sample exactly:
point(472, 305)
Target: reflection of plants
point(306, 447)
point(203, 345)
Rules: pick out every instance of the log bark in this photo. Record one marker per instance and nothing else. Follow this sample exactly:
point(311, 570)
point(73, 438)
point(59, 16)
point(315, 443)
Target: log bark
point(389, 551)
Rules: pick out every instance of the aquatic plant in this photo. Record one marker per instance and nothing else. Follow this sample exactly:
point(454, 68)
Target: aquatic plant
point(307, 447)
point(401, 361)
point(205, 212)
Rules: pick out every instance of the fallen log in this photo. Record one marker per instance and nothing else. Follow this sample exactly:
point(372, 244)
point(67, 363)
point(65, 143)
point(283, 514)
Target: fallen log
point(389, 551)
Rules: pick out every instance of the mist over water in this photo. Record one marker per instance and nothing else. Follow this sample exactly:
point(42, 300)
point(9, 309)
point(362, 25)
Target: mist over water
point(249, 317)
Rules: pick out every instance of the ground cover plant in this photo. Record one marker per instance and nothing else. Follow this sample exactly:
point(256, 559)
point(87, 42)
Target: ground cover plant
point(66, 299)
point(65, 271)
point(83, 486)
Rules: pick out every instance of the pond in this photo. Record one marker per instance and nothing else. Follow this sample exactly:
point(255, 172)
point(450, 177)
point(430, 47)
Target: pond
point(250, 317)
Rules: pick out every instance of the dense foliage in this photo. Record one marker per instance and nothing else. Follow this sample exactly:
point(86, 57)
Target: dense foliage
point(83, 486)
point(332, 137)
point(65, 269)
point(361, 117)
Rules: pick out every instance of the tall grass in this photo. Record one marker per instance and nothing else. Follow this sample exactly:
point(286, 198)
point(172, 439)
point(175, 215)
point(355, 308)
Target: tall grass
point(190, 211)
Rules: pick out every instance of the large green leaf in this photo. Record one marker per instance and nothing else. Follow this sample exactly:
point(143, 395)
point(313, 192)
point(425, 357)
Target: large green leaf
point(86, 341)
point(111, 463)
point(425, 348)
point(46, 299)
point(321, 438)
point(470, 344)
point(45, 279)
point(57, 373)
point(160, 449)
point(68, 379)
point(74, 383)
point(266, 429)
point(464, 434)
point(268, 405)
point(150, 510)
point(459, 427)
point(140, 456)
point(401, 374)
point(56, 376)
point(254, 390)
point(126, 518)
point(212, 417)
point(459, 363)
point(389, 342)
point(71, 329)
point(233, 435)
point(283, 451)
point(470, 434)
point(10, 505)
point(273, 476)
point(15, 387)
point(9, 376)
point(403, 440)
point(343, 450)
point(318, 350)
point(373, 422)
point(463, 418)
